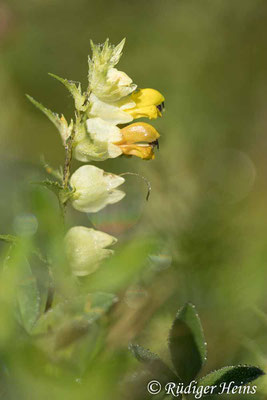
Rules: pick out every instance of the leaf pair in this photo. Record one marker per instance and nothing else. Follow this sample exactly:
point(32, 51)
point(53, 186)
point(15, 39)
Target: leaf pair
point(81, 105)
point(188, 354)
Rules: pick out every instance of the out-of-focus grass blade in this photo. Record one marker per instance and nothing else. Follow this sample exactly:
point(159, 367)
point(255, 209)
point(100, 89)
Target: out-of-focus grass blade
point(119, 270)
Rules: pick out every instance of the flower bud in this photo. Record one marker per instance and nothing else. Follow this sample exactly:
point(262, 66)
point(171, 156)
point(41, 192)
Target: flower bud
point(105, 81)
point(94, 189)
point(65, 128)
point(86, 248)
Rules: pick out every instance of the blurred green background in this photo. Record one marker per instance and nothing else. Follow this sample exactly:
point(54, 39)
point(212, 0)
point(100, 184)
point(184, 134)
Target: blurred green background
point(207, 209)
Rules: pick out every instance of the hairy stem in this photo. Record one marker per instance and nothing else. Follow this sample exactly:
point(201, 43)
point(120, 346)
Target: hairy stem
point(67, 164)
point(62, 206)
point(66, 170)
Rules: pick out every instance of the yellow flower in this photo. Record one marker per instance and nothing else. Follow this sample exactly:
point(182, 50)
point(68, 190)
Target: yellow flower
point(139, 139)
point(104, 140)
point(148, 103)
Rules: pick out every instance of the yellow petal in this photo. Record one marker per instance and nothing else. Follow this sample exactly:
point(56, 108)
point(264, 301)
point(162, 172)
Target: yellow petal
point(148, 104)
point(139, 132)
point(146, 97)
point(146, 152)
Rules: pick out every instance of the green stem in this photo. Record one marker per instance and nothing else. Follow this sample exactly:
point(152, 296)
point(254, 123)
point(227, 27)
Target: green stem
point(62, 206)
point(66, 170)
point(67, 164)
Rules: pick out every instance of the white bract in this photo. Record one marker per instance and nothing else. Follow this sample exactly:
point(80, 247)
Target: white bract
point(94, 189)
point(86, 248)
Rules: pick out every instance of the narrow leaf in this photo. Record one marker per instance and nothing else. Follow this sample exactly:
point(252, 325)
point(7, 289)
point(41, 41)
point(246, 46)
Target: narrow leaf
point(54, 118)
point(75, 91)
point(154, 364)
point(187, 344)
point(117, 52)
point(239, 375)
point(57, 173)
point(51, 185)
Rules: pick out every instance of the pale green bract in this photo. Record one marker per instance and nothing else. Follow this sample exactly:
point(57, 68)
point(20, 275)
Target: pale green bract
point(105, 81)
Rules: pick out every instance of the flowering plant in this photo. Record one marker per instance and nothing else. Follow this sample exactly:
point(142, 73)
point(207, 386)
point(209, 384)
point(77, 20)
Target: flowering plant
point(53, 319)
point(100, 130)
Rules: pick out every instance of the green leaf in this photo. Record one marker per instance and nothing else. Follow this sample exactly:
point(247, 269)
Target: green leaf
point(28, 297)
point(155, 365)
point(54, 117)
point(54, 186)
point(8, 238)
point(76, 92)
point(239, 375)
point(187, 344)
point(62, 194)
point(57, 173)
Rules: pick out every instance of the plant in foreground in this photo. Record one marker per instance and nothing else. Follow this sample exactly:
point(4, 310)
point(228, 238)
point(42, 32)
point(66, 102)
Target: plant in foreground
point(188, 351)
